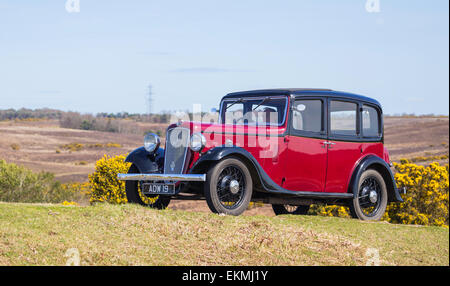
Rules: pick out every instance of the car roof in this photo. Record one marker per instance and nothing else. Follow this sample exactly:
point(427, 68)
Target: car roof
point(299, 92)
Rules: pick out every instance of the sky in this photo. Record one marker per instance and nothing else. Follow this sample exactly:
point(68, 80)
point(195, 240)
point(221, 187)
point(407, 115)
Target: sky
point(102, 56)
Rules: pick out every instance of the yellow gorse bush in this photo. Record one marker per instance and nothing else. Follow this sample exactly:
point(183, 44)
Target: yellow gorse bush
point(66, 203)
point(426, 201)
point(105, 187)
point(322, 210)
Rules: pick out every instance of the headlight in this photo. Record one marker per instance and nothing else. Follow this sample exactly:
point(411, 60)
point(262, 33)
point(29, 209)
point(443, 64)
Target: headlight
point(198, 142)
point(151, 142)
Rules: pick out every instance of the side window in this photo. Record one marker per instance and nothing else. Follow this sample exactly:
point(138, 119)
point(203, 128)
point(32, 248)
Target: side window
point(307, 115)
point(370, 122)
point(343, 118)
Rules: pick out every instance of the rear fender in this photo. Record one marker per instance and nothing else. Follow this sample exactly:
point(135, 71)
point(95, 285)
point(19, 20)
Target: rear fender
point(378, 164)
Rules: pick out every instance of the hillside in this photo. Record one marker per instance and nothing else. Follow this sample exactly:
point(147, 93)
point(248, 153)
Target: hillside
point(40, 144)
point(134, 235)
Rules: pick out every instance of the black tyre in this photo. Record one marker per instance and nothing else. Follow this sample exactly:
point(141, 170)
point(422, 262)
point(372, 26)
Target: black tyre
point(371, 199)
point(228, 187)
point(288, 209)
point(135, 195)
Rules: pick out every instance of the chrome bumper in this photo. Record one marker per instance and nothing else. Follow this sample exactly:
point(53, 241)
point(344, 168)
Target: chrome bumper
point(163, 177)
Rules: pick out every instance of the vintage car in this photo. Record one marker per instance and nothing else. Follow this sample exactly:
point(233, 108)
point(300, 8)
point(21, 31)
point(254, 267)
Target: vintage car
point(286, 147)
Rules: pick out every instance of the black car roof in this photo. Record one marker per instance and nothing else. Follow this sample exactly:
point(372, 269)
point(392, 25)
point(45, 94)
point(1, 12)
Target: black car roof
point(298, 92)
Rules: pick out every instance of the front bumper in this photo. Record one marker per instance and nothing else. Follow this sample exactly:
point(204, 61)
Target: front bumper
point(163, 177)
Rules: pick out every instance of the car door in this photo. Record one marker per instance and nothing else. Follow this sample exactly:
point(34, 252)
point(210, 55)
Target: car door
point(306, 157)
point(344, 144)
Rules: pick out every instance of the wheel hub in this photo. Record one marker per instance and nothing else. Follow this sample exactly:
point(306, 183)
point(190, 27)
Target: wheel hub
point(373, 197)
point(231, 184)
point(234, 187)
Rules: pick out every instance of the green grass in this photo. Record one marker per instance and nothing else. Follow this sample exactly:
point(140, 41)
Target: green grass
point(40, 234)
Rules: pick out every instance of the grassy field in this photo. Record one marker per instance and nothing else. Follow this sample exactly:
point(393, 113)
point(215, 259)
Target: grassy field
point(33, 234)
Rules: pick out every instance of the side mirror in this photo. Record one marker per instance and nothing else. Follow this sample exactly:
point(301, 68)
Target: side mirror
point(214, 110)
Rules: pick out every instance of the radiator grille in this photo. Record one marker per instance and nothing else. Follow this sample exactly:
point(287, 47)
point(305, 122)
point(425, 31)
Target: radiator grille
point(177, 144)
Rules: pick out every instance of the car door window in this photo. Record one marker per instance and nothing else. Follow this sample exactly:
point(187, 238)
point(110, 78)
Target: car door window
point(307, 115)
point(370, 122)
point(343, 118)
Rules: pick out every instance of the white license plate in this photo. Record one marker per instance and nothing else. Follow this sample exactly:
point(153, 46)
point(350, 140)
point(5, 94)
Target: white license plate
point(158, 189)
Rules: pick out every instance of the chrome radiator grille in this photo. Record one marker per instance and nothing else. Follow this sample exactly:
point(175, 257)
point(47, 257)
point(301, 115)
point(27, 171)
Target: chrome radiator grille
point(177, 144)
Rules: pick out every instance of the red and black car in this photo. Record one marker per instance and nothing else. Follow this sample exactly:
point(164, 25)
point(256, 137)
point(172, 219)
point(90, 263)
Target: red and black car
point(287, 147)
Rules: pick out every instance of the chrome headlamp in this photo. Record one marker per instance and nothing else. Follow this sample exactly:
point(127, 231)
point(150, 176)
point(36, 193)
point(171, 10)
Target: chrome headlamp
point(151, 142)
point(198, 142)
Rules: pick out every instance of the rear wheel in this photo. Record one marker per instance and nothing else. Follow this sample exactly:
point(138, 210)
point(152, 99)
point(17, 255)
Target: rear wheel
point(228, 187)
point(288, 209)
point(135, 195)
point(371, 199)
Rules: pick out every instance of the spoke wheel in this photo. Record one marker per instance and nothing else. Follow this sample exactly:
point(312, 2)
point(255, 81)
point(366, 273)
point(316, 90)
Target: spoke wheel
point(231, 187)
point(228, 187)
point(371, 199)
point(369, 192)
point(135, 195)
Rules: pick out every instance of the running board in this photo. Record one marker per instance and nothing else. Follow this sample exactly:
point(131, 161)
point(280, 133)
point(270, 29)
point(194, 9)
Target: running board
point(163, 177)
point(312, 195)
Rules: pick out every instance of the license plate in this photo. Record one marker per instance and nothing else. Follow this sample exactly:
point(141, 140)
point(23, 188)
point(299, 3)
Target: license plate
point(158, 189)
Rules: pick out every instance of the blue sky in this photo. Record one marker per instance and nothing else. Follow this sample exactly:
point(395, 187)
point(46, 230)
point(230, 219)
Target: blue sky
point(103, 58)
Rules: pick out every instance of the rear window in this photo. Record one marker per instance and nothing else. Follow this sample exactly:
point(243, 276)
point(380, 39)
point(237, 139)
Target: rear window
point(370, 122)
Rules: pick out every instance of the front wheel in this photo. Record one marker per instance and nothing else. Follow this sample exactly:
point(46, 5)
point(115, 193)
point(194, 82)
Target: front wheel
point(135, 195)
point(371, 200)
point(288, 209)
point(228, 187)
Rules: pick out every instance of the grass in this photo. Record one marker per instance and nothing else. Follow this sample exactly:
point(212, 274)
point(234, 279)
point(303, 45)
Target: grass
point(41, 234)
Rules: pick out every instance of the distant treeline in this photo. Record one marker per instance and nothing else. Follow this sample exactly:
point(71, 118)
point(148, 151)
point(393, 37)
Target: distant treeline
point(24, 113)
point(47, 113)
point(122, 122)
point(413, 115)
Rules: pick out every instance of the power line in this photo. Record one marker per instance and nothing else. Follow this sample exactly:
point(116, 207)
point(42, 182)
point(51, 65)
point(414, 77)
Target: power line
point(149, 100)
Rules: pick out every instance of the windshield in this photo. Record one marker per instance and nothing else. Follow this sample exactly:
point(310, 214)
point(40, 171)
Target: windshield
point(264, 110)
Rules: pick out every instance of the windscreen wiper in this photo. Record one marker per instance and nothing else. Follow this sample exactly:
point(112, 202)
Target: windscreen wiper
point(240, 100)
point(262, 102)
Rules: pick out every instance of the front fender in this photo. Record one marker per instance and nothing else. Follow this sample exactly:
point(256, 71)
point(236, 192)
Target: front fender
point(374, 162)
point(147, 162)
point(218, 153)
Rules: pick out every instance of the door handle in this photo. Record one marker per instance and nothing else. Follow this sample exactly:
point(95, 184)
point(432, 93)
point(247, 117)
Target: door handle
point(326, 143)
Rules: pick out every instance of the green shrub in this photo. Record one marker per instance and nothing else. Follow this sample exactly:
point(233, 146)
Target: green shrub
point(19, 184)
